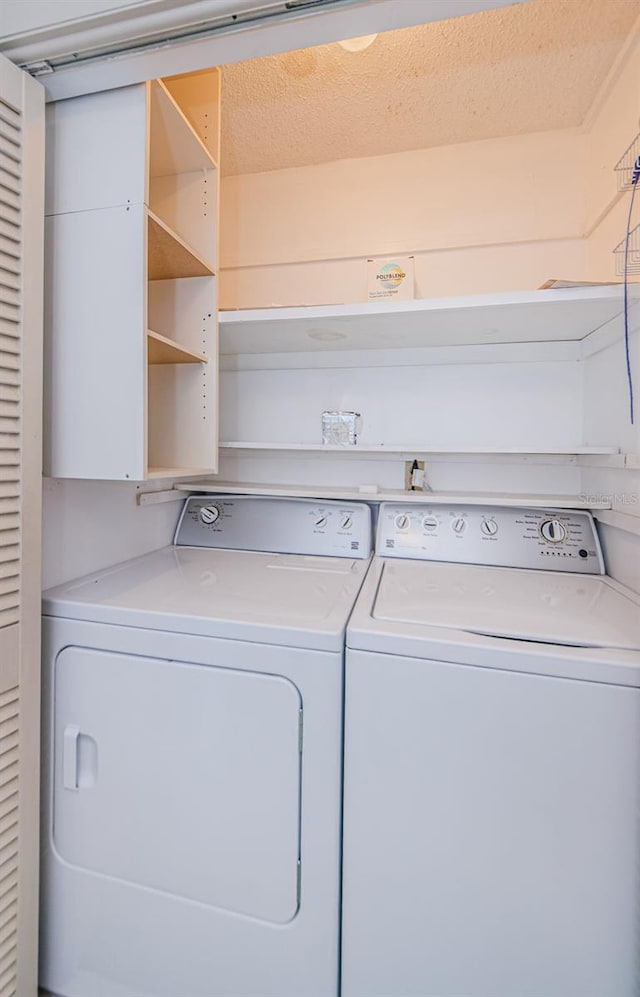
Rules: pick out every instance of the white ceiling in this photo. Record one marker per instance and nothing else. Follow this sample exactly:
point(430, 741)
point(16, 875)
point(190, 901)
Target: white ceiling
point(526, 68)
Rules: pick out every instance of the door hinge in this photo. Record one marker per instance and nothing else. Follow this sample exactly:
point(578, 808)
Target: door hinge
point(41, 68)
point(300, 730)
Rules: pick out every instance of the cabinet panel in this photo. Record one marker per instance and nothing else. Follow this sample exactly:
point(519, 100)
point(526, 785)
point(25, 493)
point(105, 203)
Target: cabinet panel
point(96, 151)
point(94, 366)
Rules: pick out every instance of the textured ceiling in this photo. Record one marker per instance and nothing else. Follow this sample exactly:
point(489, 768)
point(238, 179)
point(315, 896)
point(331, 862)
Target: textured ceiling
point(526, 68)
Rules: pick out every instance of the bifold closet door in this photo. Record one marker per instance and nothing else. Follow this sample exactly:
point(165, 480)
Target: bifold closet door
point(21, 246)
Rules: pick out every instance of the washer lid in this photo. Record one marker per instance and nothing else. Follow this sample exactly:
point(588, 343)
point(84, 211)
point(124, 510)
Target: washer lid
point(295, 600)
point(541, 606)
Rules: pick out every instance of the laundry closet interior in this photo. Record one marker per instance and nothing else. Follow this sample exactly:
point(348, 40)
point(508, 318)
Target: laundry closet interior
point(224, 582)
point(483, 146)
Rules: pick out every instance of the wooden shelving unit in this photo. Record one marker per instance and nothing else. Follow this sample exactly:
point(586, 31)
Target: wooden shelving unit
point(162, 350)
point(134, 236)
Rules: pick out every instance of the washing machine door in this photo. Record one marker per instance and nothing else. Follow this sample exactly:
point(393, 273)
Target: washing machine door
point(179, 777)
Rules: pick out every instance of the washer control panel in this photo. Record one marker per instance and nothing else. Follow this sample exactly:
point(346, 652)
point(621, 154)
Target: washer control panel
point(276, 525)
point(553, 539)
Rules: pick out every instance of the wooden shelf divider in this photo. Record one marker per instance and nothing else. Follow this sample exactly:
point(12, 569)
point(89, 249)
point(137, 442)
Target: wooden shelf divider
point(161, 349)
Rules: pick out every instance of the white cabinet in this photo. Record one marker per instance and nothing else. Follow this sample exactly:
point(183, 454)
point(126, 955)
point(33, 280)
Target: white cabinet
point(131, 260)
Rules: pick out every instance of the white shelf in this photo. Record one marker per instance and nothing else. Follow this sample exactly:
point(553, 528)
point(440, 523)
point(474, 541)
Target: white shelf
point(161, 350)
point(554, 315)
point(175, 146)
point(408, 451)
point(372, 494)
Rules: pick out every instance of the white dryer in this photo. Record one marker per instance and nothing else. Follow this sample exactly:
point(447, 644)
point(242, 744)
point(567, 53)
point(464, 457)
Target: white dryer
point(193, 752)
point(492, 762)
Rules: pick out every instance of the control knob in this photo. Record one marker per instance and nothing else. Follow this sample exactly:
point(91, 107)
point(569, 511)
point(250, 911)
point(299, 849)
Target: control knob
point(430, 523)
point(459, 525)
point(489, 527)
point(403, 522)
point(553, 531)
point(346, 522)
point(210, 514)
point(321, 521)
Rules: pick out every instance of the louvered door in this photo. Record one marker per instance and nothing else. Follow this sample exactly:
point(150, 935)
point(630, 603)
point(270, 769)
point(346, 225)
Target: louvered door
point(21, 239)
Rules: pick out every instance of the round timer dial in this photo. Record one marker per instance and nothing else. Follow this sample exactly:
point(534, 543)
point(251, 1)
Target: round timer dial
point(210, 514)
point(553, 531)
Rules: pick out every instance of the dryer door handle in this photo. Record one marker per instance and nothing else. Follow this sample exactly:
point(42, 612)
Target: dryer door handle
point(70, 757)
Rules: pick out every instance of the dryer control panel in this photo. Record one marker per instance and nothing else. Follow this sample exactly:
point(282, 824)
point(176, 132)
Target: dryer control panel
point(276, 525)
point(552, 539)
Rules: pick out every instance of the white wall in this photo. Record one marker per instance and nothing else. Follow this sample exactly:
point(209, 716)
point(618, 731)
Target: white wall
point(90, 525)
point(493, 405)
point(501, 214)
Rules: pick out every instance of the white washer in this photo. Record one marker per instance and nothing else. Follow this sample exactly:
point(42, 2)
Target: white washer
point(193, 752)
point(492, 762)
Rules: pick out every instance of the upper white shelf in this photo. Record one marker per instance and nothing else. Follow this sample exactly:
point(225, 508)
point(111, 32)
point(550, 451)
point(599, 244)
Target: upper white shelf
point(554, 315)
point(175, 147)
point(407, 451)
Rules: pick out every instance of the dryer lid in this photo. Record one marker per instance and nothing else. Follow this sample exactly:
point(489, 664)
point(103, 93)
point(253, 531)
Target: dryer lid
point(541, 606)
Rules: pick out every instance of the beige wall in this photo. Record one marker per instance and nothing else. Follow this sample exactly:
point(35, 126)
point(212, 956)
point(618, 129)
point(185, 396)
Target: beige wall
point(612, 125)
point(497, 215)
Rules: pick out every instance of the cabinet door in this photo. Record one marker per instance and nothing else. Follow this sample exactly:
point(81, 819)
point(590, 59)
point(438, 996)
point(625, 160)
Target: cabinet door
point(179, 777)
point(95, 369)
point(21, 240)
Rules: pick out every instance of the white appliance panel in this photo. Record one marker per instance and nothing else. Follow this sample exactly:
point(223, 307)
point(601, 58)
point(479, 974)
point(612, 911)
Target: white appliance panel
point(491, 833)
point(279, 525)
point(101, 936)
point(179, 777)
point(566, 609)
point(551, 539)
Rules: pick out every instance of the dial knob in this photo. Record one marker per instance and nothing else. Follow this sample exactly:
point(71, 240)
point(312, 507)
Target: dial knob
point(430, 523)
point(459, 525)
point(553, 531)
point(346, 522)
point(489, 527)
point(209, 514)
point(321, 521)
point(403, 522)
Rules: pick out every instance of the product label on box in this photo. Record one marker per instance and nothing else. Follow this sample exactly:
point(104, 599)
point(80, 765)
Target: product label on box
point(390, 278)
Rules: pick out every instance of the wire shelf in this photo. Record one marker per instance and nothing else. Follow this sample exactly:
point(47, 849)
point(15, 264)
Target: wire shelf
point(624, 166)
point(633, 258)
